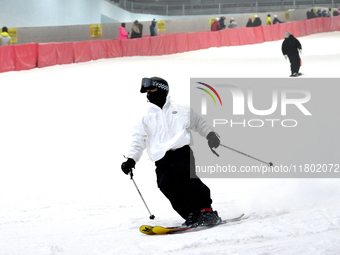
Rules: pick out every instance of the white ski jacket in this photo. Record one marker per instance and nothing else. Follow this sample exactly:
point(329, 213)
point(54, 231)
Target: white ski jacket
point(165, 129)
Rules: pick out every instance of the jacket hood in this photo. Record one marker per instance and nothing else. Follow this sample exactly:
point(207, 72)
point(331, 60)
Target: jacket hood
point(4, 34)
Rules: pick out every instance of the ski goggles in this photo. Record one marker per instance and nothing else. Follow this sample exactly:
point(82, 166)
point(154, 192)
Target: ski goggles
point(149, 84)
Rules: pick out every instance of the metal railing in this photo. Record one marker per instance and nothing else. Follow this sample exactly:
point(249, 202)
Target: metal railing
point(222, 8)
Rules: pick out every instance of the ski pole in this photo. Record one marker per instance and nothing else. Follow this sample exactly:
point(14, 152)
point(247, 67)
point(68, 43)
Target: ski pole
point(151, 215)
point(269, 164)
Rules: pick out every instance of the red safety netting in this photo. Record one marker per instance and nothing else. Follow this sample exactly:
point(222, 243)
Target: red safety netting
point(114, 49)
point(129, 47)
point(98, 49)
point(276, 32)
point(309, 26)
point(303, 29)
point(170, 44)
point(295, 26)
point(268, 32)
point(285, 27)
point(159, 44)
point(258, 31)
point(234, 36)
point(82, 51)
point(25, 56)
point(144, 46)
point(320, 25)
point(249, 34)
point(335, 24)
point(47, 54)
point(315, 25)
point(65, 53)
point(198, 41)
point(215, 39)
point(326, 24)
point(205, 41)
point(246, 36)
point(7, 58)
point(28, 56)
point(182, 42)
point(225, 37)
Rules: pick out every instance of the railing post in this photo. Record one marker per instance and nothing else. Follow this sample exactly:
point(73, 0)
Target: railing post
point(255, 6)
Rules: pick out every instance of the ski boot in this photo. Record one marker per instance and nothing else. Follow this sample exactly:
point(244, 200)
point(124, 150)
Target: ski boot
point(208, 217)
point(192, 220)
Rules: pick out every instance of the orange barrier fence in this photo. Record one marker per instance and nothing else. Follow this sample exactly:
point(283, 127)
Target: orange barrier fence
point(28, 56)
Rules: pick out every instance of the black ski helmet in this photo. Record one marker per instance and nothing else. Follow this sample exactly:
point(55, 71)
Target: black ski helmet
point(158, 97)
point(154, 82)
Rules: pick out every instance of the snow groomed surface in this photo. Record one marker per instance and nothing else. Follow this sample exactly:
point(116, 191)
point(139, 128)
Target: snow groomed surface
point(64, 131)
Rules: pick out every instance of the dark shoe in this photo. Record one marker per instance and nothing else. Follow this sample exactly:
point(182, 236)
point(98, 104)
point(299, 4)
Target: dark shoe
point(294, 75)
point(209, 217)
point(192, 219)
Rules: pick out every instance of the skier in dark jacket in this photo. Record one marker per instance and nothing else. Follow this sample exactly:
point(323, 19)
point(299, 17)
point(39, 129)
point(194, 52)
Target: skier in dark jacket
point(153, 29)
point(222, 24)
point(249, 23)
point(276, 20)
point(140, 26)
point(312, 14)
point(291, 48)
point(257, 21)
point(319, 13)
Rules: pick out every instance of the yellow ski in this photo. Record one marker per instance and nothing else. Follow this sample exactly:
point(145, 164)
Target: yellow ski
point(158, 230)
point(162, 230)
point(146, 229)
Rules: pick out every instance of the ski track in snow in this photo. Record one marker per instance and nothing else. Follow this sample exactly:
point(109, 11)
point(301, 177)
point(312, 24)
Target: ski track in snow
point(64, 131)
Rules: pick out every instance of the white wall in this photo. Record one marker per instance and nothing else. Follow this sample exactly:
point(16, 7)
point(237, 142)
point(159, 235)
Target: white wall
point(49, 13)
point(37, 13)
point(32, 13)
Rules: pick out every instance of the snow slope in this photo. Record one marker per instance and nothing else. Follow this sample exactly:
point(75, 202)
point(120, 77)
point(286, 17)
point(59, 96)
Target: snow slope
point(64, 131)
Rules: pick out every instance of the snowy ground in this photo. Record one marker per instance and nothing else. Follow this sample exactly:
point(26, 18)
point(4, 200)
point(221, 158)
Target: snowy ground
point(64, 131)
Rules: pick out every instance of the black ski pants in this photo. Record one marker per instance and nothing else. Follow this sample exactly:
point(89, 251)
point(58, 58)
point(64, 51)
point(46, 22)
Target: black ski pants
point(186, 194)
point(294, 63)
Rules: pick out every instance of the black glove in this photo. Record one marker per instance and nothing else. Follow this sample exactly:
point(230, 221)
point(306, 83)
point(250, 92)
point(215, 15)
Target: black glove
point(128, 165)
point(213, 141)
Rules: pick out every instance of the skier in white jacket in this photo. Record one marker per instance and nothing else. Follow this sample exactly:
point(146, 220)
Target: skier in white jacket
point(164, 132)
